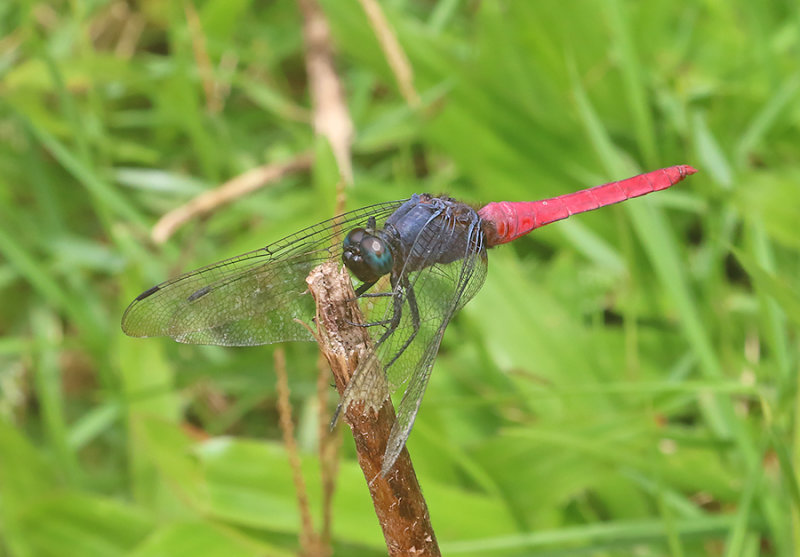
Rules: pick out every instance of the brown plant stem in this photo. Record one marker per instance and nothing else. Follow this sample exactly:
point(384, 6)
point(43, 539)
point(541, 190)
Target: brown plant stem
point(393, 51)
point(308, 538)
point(208, 202)
point(329, 443)
point(331, 115)
point(397, 498)
point(210, 87)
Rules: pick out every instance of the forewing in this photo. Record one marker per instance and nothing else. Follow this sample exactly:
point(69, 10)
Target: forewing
point(250, 299)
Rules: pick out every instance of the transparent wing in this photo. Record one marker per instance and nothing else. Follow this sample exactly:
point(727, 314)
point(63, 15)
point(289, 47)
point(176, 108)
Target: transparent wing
point(429, 298)
point(250, 299)
point(442, 290)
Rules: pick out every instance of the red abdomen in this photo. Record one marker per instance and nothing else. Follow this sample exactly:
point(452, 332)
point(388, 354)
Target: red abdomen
point(508, 220)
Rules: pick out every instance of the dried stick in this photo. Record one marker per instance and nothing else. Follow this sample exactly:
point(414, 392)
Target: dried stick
point(395, 56)
point(397, 498)
point(329, 443)
point(234, 188)
point(203, 60)
point(331, 116)
point(309, 541)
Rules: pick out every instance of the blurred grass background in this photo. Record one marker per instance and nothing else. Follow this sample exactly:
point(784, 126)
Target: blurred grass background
point(626, 383)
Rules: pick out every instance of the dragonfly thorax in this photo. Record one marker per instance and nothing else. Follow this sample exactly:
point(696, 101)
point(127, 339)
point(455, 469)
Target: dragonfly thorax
point(366, 255)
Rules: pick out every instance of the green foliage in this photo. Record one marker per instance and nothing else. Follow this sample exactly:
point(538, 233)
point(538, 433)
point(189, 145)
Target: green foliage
point(625, 383)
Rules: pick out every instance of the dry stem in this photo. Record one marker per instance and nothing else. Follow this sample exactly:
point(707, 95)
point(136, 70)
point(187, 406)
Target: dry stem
point(203, 60)
point(395, 55)
point(331, 116)
point(308, 539)
point(234, 188)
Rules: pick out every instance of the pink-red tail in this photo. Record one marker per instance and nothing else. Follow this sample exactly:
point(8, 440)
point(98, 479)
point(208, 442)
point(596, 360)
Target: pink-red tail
point(508, 220)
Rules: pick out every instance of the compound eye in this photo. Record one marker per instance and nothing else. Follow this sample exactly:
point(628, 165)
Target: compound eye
point(367, 256)
point(376, 254)
point(354, 237)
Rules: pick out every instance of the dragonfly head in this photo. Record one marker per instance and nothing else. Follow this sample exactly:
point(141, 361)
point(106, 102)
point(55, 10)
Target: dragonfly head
point(367, 256)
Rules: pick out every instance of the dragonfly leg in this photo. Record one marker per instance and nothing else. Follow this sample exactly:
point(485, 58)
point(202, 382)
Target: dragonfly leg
point(360, 293)
point(370, 324)
point(415, 321)
point(397, 312)
point(393, 321)
point(364, 287)
point(370, 295)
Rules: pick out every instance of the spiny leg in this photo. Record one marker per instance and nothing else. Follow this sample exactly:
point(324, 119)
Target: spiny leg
point(415, 320)
point(360, 293)
point(364, 287)
point(397, 314)
point(371, 323)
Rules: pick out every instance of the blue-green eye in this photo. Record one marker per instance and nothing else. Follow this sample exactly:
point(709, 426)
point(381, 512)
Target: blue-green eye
point(367, 256)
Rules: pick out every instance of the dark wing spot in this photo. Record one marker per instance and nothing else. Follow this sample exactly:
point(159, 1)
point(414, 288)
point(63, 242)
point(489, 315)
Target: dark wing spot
point(198, 294)
point(147, 293)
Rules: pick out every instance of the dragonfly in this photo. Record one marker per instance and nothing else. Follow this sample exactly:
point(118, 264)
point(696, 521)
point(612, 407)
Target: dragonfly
point(432, 250)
